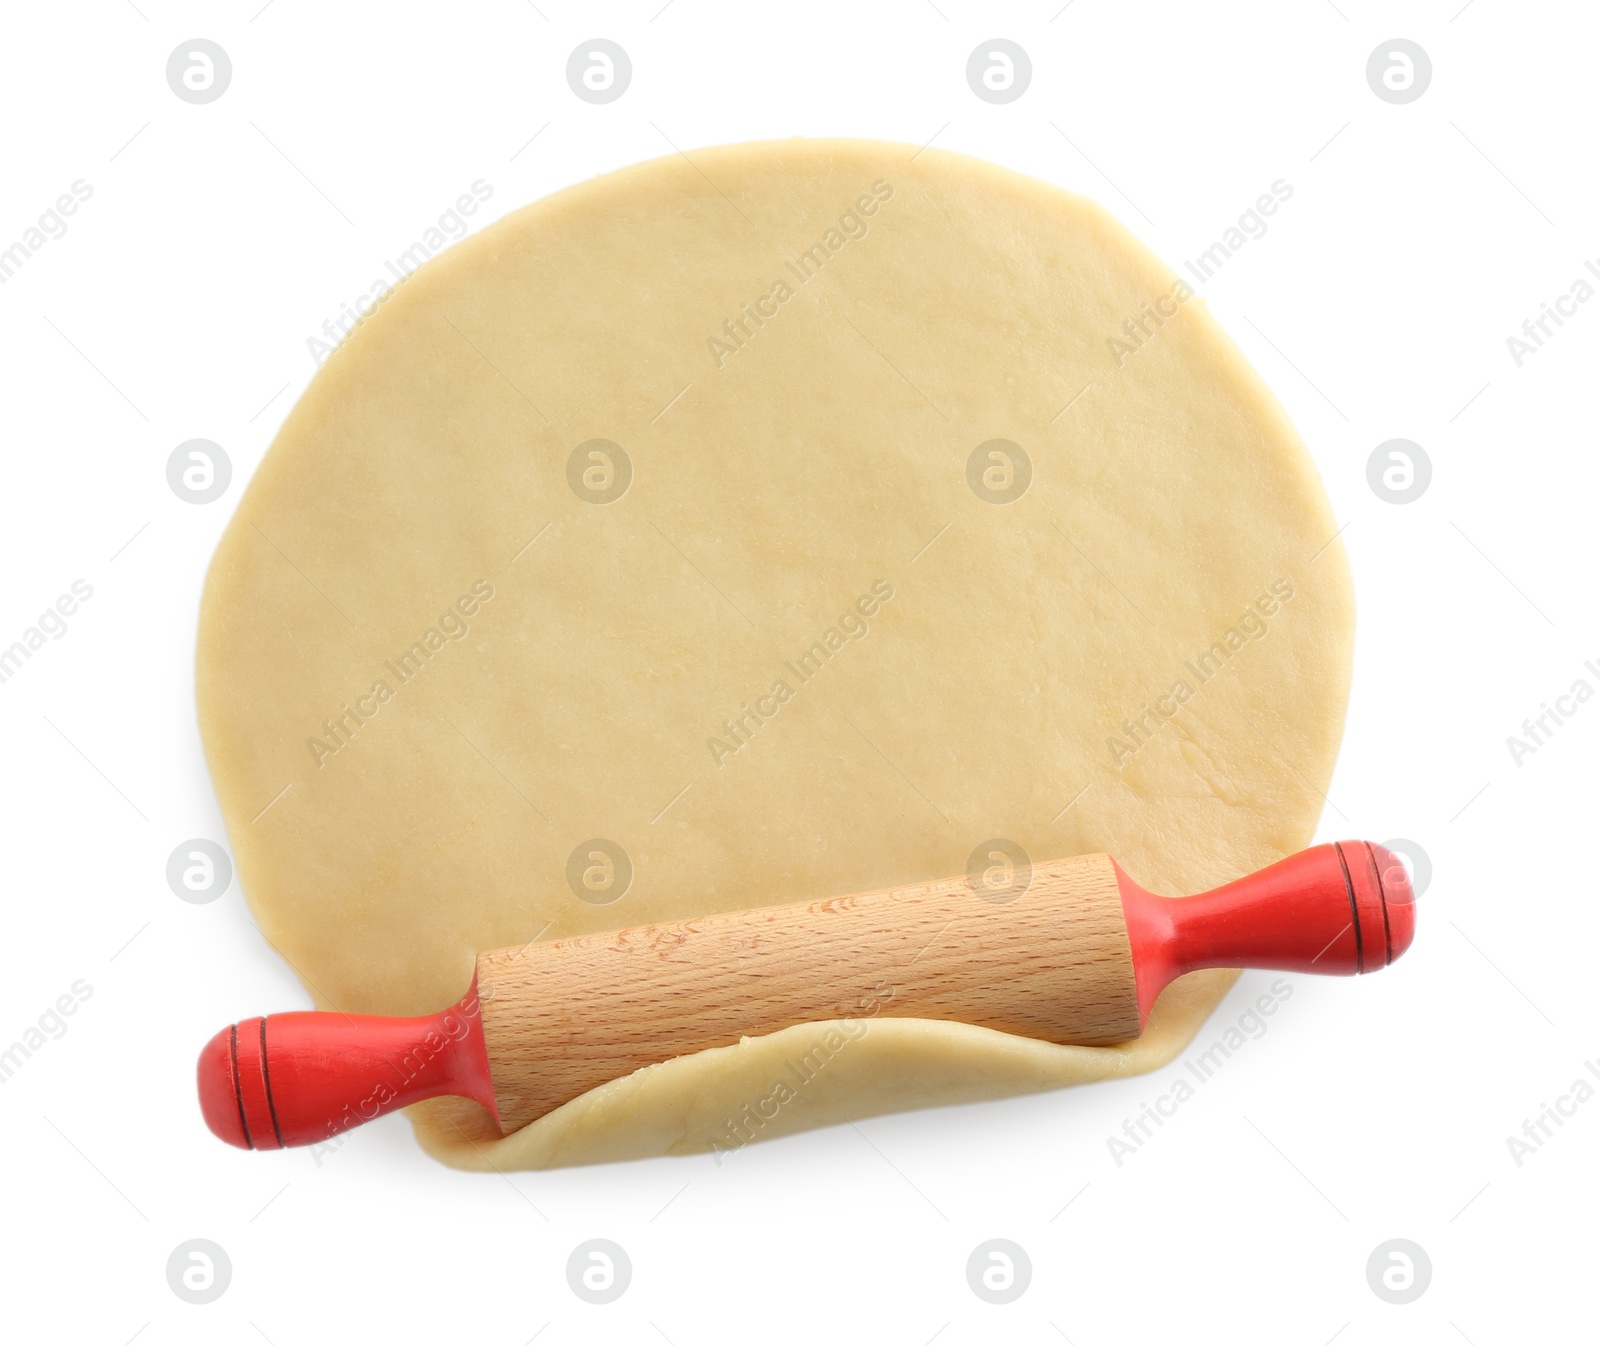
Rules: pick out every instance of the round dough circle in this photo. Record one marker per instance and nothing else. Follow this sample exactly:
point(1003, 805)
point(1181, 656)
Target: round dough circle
point(528, 562)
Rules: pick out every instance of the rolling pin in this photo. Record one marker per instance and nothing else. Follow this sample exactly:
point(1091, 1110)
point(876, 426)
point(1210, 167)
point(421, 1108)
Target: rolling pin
point(1072, 951)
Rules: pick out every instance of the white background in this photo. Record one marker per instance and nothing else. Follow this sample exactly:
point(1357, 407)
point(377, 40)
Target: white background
point(1419, 237)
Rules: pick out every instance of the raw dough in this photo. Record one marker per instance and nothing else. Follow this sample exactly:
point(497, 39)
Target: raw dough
point(597, 669)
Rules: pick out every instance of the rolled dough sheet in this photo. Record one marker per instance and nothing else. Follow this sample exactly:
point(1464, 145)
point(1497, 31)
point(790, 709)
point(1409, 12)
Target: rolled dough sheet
point(795, 631)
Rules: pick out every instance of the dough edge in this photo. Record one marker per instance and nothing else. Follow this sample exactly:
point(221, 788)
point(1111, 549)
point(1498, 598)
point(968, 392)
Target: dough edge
point(681, 1107)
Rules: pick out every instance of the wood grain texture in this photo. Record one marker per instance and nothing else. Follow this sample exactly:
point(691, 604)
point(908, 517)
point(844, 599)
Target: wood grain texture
point(1054, 963)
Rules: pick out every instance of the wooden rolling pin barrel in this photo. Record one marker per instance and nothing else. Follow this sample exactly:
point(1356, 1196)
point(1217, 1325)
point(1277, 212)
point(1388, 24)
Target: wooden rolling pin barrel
point(1072, 952)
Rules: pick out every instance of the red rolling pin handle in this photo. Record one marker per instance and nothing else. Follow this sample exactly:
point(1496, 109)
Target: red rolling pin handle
point(1337, 909)
point(302, 1078)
